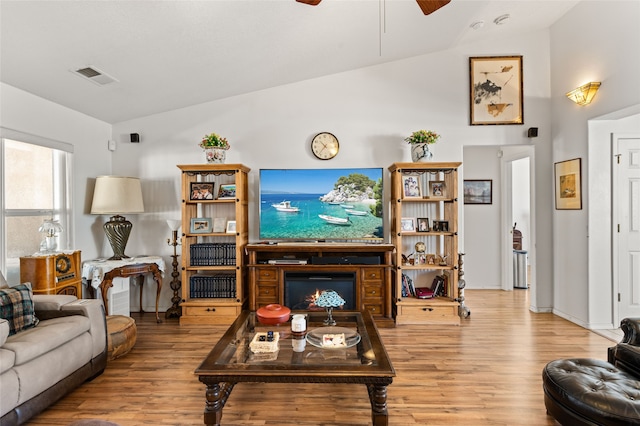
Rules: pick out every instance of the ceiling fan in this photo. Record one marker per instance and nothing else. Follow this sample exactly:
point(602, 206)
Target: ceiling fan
point(427, 6)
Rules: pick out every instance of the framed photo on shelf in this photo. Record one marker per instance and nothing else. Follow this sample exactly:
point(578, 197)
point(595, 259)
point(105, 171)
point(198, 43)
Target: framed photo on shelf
point(478, 191)
point(423, 224)
point(495, 90)
point(568, 183)
point(440, 226)
point(411, 186)
point(437, 188)
point(231, 227)
point(200, 225)
point(226, 191)
point(201, 191)
point(219, 224)
point(407, 224)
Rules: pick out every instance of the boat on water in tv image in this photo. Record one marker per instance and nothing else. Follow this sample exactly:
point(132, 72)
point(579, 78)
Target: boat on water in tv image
point(285, 206)
point(329, 204)
point(335, 220)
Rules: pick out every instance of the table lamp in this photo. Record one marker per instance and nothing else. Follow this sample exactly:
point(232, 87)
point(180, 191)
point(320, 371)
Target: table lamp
point(117, 195)
point(50, 228)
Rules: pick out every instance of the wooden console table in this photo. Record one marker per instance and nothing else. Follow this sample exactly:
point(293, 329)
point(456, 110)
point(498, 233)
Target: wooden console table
point(373, 281)
point(100, 274)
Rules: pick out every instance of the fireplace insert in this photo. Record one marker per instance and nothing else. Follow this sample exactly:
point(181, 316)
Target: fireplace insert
point(301, 289)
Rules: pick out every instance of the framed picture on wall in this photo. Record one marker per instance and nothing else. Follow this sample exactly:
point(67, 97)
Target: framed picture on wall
point(478, 191)
point(568, 183)
point(495, 90)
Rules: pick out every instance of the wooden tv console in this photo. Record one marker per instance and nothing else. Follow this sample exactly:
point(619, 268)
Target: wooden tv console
point(373, 281)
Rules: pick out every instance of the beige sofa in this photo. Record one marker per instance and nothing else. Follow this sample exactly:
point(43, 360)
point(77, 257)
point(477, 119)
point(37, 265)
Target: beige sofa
point(40, 364)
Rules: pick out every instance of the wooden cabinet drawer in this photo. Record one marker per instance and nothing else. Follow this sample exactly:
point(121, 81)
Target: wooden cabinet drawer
point(211, 310)
point(428, 314)
point(267, 291)
point(372, 274)
point(267, 274)
point(372, 292)
point(374, 308)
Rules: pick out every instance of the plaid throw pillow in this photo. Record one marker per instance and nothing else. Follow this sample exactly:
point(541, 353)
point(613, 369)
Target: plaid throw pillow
point(16, 306)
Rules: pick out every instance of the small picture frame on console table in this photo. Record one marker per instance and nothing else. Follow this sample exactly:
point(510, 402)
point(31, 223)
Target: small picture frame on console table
point(231, 227)
point(411, 186)
point(201, 191)
point(407, 224)
point(440, 226)
point(437, 189)
point(227, 191)
point(423, 224)
point(200, 225)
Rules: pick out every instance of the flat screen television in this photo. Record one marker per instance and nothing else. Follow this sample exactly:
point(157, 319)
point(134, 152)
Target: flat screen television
point(321, 204)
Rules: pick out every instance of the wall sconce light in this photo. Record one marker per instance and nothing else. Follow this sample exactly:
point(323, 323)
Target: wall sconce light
point(583, 95)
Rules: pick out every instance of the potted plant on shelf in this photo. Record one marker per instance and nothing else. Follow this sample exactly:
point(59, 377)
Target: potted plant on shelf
point(215, 147)
point(420, 142)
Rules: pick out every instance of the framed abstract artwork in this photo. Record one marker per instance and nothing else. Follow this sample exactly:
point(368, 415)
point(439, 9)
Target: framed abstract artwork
point(496, 90)
point(568, 182)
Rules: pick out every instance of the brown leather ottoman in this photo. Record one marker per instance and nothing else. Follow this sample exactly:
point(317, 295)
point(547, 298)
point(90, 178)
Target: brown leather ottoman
point(122, 333)
point(584, 391)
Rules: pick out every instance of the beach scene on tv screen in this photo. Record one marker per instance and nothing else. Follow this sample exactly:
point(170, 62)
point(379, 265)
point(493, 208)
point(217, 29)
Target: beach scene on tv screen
point(321, 204)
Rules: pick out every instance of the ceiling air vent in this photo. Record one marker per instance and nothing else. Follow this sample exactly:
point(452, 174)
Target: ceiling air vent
point(95, 75)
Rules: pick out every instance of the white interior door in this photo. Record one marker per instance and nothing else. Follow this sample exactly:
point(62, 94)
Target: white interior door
point(626, 201)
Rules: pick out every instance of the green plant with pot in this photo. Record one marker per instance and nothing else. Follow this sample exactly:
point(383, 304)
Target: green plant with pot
point(214, 140)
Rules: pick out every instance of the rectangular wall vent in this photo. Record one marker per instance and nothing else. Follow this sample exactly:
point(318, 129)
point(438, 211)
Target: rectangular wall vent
point(95, 75)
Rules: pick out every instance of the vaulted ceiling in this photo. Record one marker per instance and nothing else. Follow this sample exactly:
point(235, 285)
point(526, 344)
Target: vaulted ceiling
point(171, 54)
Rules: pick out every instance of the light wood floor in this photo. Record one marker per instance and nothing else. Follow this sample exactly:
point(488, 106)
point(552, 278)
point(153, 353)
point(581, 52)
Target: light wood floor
point(485, 372)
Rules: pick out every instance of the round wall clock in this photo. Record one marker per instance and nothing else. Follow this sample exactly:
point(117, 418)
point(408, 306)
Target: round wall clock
point(325, 146)
point(63, 264)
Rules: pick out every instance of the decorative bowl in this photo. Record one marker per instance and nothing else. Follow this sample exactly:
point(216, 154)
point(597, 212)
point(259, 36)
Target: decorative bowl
point(273, 314)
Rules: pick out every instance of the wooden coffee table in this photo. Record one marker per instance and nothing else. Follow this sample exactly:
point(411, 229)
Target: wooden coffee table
point(231, 361)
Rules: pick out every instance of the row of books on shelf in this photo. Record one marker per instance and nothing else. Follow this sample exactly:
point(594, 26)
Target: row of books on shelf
point(213, 254)
point(438, 287)
point(212, 286)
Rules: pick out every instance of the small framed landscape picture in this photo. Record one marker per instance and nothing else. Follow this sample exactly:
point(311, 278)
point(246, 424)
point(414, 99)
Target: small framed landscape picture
point(423, 224)
point(201, 191)
point(200, 225)
point(437, 188)
point(407, 224)
point(227, 191)
point(440, 226)
point(231, 227)
point(478, 191)
point(411, 186)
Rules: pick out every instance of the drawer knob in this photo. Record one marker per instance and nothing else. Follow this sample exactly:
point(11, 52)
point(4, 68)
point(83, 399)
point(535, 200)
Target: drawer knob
point(266, 292)
point(373, 292)
point(211, 309)
point(427, 309)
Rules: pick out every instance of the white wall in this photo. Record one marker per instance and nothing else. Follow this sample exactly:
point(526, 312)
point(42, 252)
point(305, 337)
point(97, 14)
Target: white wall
point(26, 113)
point(482, 223)
point(370, 110)
point(595, 41)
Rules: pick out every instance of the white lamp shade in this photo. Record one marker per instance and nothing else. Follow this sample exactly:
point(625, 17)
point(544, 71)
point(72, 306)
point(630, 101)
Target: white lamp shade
point(117, 195)
point(174, 224)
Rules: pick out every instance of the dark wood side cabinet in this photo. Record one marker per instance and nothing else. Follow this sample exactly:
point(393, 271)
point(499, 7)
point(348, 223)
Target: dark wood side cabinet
point(373, 280)
point(55, 273)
